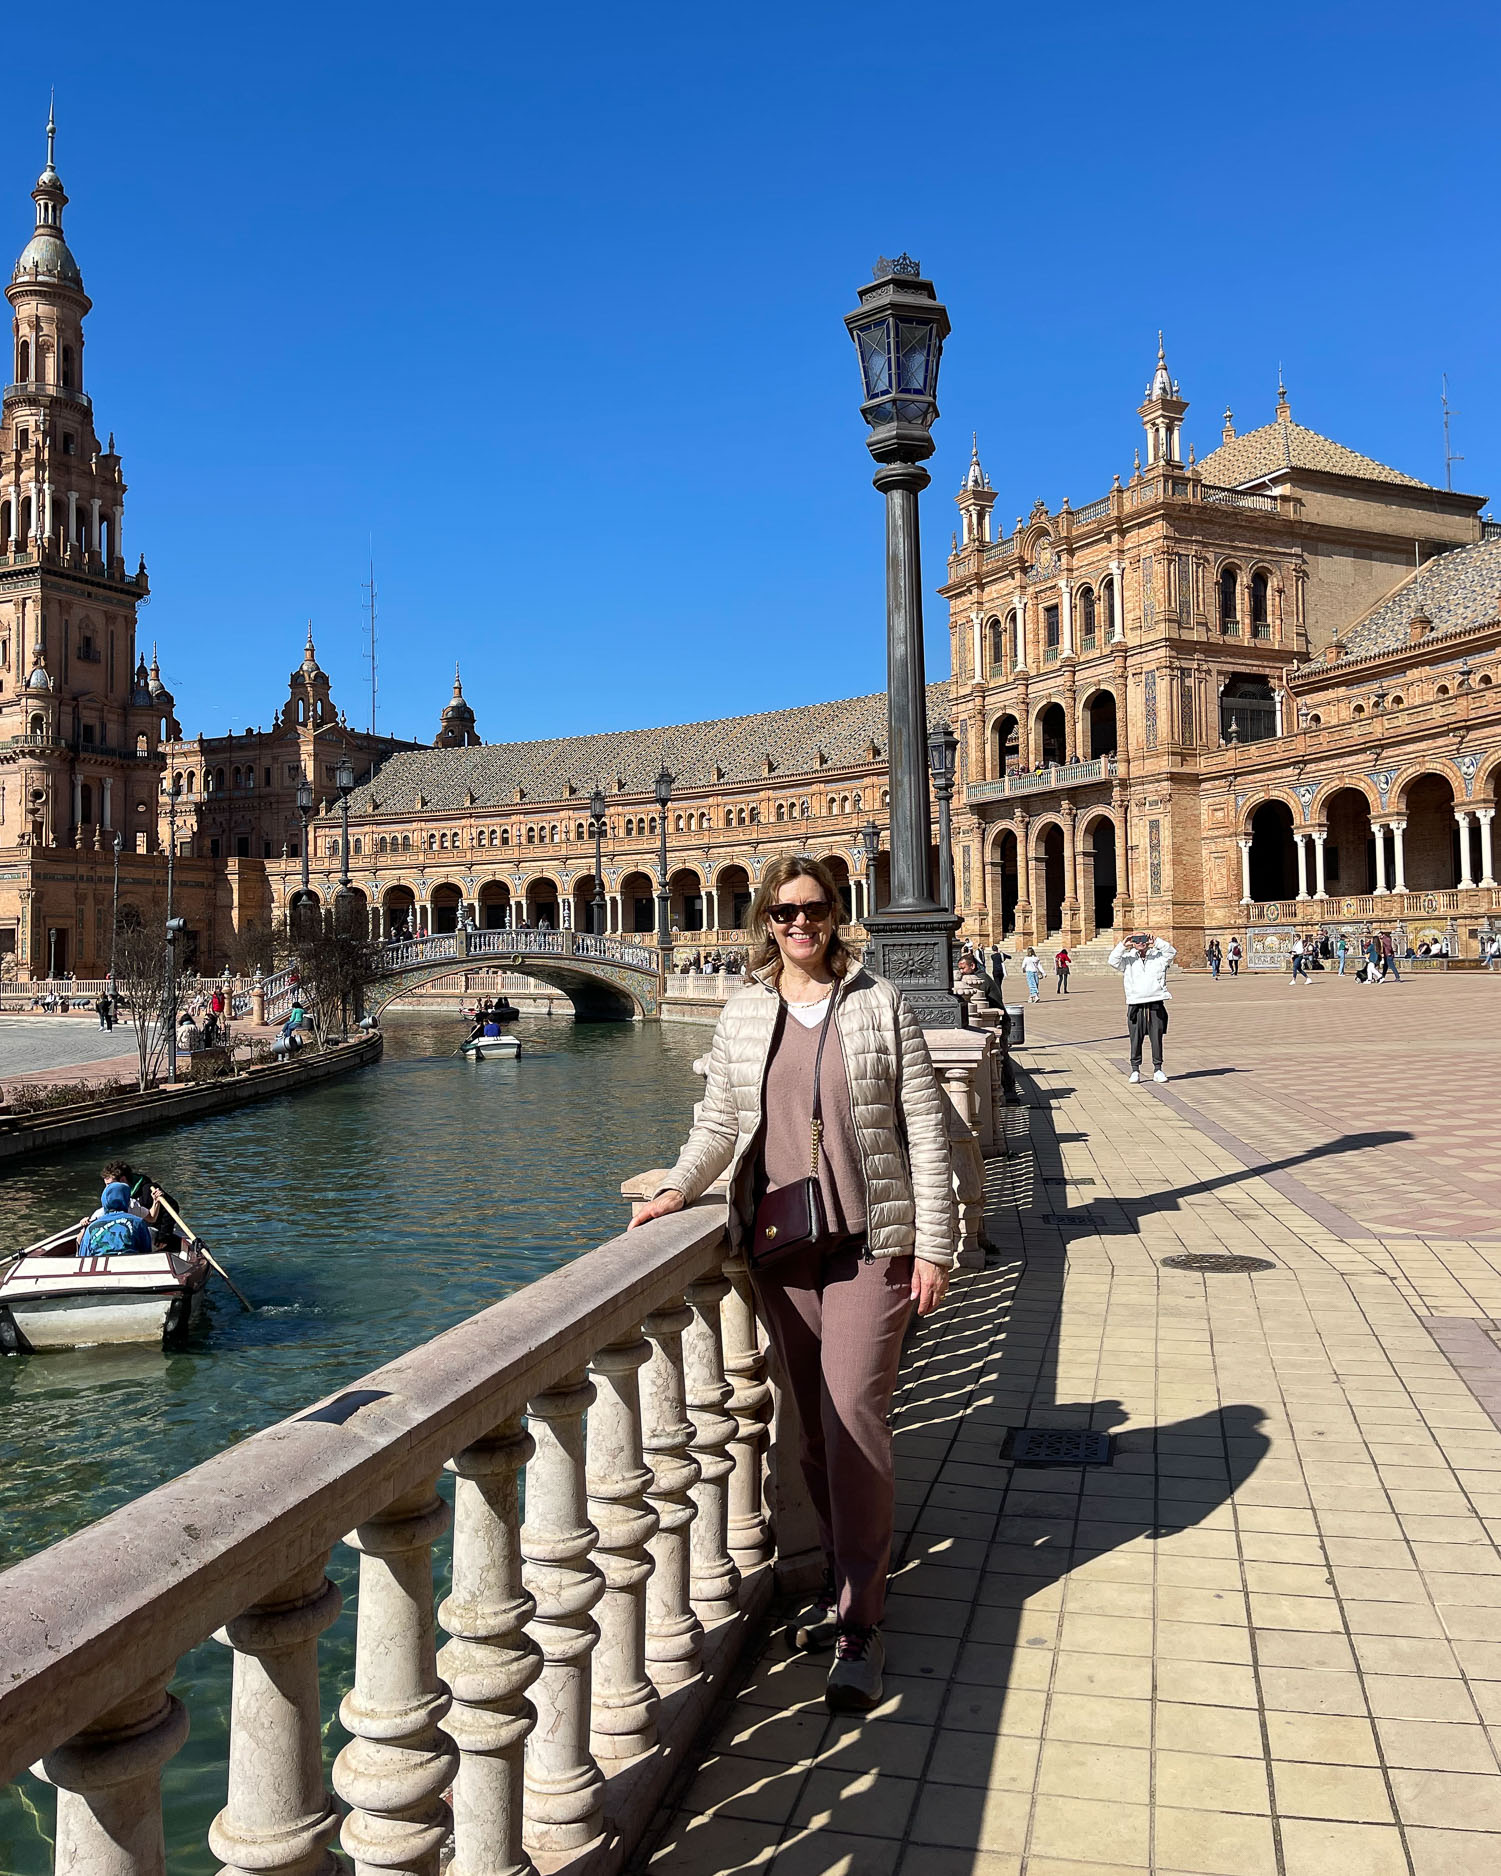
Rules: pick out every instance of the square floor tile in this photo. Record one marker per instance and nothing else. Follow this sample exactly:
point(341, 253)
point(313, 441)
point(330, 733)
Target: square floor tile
point(1210, 1844)
point(1313, 1847)
point(1090, 1830)
point(1436, 1746)
point(1207, 1781)
point(1353, 1793)
point(1322, 1739)
point(1448, 1800)
point(1229, 1730)
point(861, 1804)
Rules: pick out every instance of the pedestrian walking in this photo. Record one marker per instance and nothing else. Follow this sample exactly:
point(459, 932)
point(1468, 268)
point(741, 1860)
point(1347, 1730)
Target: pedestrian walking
point(1300, 961)
point(1389, 957)
point(1061, 964)
point(1342, 952)
point(1032, 971)
point(1233, 956)
point(816, 1044)
point(1214, 957)
point(1373, 972)
point(102, 1006)
point(1143, 962)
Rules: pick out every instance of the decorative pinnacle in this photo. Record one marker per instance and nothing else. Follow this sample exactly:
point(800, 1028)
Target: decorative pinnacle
point(51, 125)
point(903, 264)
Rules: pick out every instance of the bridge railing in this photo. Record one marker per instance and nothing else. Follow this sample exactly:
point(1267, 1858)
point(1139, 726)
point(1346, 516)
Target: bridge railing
point(584, 1647)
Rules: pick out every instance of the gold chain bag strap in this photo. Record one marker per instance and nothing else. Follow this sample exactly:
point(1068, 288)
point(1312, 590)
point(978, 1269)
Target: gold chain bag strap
point(793, 1216)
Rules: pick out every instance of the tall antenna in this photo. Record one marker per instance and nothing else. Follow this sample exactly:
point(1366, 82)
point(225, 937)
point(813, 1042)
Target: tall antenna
point(369, 591)
point(1449, 457)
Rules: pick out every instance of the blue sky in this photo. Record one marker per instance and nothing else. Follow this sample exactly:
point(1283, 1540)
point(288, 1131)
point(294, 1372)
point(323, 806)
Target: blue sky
point(547, 303)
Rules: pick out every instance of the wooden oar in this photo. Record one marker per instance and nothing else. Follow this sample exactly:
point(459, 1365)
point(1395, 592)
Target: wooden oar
point(8, 1264)
point(172, 1212)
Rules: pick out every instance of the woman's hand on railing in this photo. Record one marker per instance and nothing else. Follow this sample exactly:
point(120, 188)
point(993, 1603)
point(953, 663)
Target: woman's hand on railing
point(929, 1285)
point(659, 1207)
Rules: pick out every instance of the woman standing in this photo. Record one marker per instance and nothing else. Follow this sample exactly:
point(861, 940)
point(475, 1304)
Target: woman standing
point(1061, 963)
point(1032, 970)
point(817, 1051)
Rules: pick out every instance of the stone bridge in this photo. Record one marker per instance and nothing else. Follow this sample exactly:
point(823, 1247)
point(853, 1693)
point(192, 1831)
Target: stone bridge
point(606, 978)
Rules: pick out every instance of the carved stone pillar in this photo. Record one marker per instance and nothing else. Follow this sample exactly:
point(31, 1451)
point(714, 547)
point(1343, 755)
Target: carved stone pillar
point(491, 1660)
point(395, 1769)
point(1378, 834)
point(625, 1705)
point(563, 1784)
point(674, 1636)
point(1487, 856)
point(1301, 840)
point(1070, 917)
point(109, 1787)
point(1399, 859)
point(714, 1582)
point(1320, 835)
point(1462, 820)
point(278, 1816)
point(750, 1403)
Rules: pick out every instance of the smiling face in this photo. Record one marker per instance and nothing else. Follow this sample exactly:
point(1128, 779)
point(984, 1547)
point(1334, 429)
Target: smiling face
point(806, 938)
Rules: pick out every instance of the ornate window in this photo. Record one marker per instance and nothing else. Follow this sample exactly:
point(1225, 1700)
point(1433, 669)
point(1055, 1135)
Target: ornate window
point(1261, 618)
point(1087, 623)
point(1230, 601)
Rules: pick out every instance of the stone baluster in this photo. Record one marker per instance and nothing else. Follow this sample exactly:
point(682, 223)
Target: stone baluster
point(109, 1787)
point(624, 1721)
point(563, 1784)
point(674, 1636)
point(750, 1403)
point(714, 1582)
point(395, 1769)
point(491, 1660)
point(278, 1817)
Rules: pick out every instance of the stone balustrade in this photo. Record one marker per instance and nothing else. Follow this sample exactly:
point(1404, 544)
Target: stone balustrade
point(627, 1395)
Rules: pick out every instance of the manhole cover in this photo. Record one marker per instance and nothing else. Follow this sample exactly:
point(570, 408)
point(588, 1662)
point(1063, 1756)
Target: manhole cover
point(1056, 1446)
point(1075, 1218)
point(1217, 1263)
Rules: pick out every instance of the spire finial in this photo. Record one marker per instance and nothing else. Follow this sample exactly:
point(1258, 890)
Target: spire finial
point(156, 669)
point(1161, 354)
point(1284, 413)
point(51, 125)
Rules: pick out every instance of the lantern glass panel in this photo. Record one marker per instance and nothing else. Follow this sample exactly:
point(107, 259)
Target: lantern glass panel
point(875, 357)
point(914, 357)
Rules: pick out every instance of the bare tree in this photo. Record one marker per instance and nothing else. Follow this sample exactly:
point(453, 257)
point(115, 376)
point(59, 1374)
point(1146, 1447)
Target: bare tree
point(254, 948)
point(141, 984)
point(336, 962)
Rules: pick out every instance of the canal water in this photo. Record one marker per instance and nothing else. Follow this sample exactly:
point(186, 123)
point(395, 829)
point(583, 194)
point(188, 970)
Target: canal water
point(361, 1218)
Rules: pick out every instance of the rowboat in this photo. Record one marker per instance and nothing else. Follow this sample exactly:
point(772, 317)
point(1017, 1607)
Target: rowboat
point(492, 1048)
point(48, 1301)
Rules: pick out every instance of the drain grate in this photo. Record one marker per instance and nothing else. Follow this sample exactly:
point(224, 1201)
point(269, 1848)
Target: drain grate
point(1065, 1179)
point(1217, 1263)
point(1056, 1446)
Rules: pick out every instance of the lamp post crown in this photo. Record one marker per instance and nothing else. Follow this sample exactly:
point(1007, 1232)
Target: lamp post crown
point(597, 804)
point(943, 747)
point(664, 786)
point(304, 795)
point(870, 839)
point(344, 775)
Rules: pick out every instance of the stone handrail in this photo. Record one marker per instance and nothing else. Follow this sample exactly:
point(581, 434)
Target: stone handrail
point(642, 1563)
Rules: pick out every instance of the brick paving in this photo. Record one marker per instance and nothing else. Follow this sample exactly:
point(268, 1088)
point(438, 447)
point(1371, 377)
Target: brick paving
point(1266, 1639)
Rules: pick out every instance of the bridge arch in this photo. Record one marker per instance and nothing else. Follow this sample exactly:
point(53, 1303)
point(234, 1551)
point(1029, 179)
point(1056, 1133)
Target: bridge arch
point(606, 979)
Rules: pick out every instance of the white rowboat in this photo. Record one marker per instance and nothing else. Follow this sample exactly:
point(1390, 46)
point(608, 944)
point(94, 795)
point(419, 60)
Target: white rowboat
point(81, 1302)
point(493, 1049)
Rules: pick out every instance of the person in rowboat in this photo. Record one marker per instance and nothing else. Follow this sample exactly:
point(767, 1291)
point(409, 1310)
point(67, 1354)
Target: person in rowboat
point(114, 1230)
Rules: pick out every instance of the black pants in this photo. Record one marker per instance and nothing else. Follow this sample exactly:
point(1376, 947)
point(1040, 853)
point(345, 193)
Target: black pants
point(1144, 1020)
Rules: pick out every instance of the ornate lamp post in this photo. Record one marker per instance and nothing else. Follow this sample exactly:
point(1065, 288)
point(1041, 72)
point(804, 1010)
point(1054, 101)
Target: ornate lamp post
point(870, 840)
point(597, 817)
point(943, 747)
point(114, 930)
point(302, 900)
point(344, 899)
point(174, 926)
point(899, 329)
point(663, 786)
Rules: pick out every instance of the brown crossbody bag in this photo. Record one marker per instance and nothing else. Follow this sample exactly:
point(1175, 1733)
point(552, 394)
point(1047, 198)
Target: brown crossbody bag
point(793, 1216)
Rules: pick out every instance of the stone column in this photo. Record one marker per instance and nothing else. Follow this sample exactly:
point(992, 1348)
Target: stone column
point(1302, 845)
point(106, 805)
point(1020, 822)
point(1487, 857)
point(625, 1704)
point(72, 516)
point(118, 543)
point(1399, 860)
point(395, 1769)
point(278, 1817)
point(1243, 842)
point(1462, 817)
point(1118, 582)
point(1378, 829)
point(750, 1403)
point(109, 1787)
point(1070, 869)
point(94, 525)
point(564, 1788)
point(1021, 624)
point(714, 1582)
point(977, 641)
point(673, 1634)
point(491, 1660)
point(1066, 598)
point(1320, 835)
point(78, 801)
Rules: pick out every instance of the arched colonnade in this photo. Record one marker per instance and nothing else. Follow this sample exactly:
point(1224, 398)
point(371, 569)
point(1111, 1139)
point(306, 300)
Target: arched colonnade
point(1061, 875)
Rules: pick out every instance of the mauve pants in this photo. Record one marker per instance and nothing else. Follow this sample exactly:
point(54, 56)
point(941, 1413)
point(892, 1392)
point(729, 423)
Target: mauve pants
point(836, 1323)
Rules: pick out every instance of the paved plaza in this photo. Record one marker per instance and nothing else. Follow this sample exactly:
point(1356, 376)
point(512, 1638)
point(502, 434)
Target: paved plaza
point(63, 1048)
point(1265, 1640)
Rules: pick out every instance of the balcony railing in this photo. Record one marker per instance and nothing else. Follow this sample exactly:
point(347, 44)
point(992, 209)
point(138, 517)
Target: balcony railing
point(584, 1649)
point(1239, 498)
point(1035, 781)
point(39, 387)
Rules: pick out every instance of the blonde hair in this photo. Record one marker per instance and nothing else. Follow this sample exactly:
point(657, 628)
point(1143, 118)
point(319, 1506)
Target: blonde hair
point(764, 952)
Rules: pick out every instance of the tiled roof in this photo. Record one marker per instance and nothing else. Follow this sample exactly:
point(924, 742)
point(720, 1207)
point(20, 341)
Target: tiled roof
point(1287, 445)
point(738, 746)
point(1456, 590)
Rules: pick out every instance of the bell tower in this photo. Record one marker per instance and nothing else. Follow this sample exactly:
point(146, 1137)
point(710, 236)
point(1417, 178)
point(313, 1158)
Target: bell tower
point(976, 499)
point(72, 717)
point(1163, 414)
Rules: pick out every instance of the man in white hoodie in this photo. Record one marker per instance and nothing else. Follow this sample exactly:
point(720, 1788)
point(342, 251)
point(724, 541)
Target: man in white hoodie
point(1142, 961)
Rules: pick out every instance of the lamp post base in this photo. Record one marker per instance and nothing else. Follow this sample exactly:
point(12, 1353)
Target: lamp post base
point(915, 950)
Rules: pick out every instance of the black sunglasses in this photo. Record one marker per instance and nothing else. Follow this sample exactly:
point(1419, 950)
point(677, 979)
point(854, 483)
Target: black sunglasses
point(812, 909)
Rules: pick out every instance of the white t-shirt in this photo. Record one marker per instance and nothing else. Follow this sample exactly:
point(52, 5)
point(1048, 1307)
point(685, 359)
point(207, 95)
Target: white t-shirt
point(810, 1015)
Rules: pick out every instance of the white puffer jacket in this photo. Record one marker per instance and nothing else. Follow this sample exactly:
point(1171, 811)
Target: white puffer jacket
point(897, 1105)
